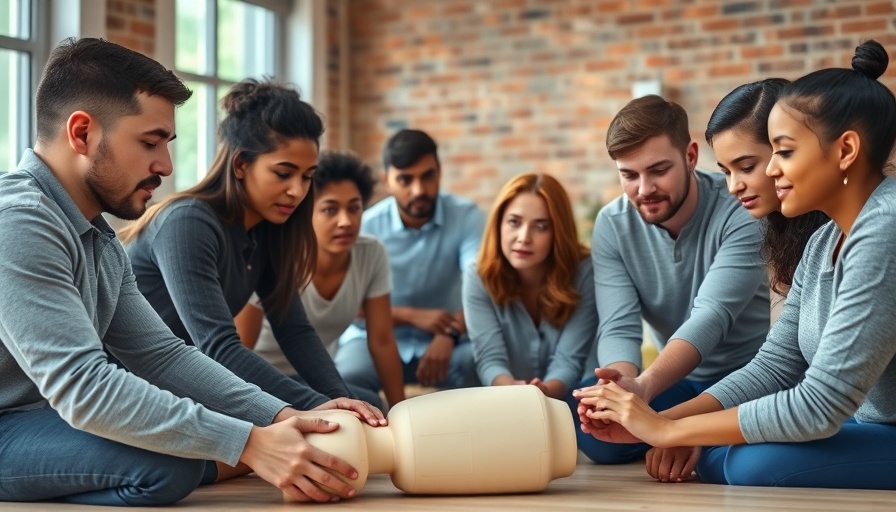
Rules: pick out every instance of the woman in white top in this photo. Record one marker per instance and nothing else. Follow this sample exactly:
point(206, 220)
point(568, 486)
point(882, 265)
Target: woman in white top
point(352, 276)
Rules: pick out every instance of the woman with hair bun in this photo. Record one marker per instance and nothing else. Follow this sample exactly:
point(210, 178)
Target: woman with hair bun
point(352, 275)
point(816, 407)
point(529, 303)
point(246, 227)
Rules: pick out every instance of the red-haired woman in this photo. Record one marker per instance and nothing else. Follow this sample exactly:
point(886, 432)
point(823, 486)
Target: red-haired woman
point(529, 304)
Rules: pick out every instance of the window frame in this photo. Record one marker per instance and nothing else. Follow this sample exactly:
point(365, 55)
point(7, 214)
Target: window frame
point(36, 49)
point(212, 80)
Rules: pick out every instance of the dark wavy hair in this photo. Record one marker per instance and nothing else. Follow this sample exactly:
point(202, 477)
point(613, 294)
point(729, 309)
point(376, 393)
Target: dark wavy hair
point(260, 116)
point(336, 166)
point(746, 109)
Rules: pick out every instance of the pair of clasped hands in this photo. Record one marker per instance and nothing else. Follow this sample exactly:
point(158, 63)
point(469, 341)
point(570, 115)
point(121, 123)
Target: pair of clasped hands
point(615, 410)
point(445, 327)
point(280, 454)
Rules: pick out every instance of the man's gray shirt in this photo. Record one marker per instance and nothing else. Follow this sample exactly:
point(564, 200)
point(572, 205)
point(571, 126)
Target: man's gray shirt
point(708, 287)
point(68, 294)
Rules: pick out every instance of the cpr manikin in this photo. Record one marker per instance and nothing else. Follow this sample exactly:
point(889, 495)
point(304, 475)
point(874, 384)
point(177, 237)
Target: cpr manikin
point(503, 439)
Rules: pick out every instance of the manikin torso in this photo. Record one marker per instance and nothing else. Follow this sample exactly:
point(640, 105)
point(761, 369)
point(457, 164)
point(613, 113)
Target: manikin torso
point(504, 439)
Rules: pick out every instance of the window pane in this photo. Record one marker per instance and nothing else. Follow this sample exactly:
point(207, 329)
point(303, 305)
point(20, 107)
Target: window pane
point(14, 109)
point(14, 18)
point(239, 44)
point(192, 51)
point(245, 40)
point(195, 136)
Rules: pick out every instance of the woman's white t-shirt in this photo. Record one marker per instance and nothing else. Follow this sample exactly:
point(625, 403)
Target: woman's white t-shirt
point(368, 277)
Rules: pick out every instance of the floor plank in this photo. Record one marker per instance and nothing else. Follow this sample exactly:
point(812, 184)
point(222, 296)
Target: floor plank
point(620, 488)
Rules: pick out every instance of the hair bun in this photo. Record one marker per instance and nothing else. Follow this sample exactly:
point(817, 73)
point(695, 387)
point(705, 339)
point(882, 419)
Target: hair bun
point(240, 96)
point(248, 93)
point(871, 59)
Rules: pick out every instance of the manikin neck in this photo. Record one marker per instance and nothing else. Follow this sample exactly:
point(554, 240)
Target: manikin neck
point(380, 449)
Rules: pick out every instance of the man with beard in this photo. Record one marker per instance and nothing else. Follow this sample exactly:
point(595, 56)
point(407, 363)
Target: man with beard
point(429, 237)
point(74, 426)
point(679, 252)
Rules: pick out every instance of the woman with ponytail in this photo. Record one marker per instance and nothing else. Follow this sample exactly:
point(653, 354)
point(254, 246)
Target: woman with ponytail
point(816, 407)
point(246, 227)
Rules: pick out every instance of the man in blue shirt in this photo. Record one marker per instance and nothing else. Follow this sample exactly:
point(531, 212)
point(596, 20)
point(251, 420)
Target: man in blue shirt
point(430, 237)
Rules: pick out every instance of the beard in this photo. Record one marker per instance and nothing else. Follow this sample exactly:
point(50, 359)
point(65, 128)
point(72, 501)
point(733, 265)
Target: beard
point(105, 188)
point(421, 207)
point(675, 204)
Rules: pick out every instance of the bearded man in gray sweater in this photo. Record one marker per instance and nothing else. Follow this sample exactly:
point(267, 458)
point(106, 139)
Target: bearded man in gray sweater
point(75, 426)
point(678, 252)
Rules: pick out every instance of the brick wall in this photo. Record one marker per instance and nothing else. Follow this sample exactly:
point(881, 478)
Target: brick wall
point(508, 86)
point(333, 134)
point(132, 23)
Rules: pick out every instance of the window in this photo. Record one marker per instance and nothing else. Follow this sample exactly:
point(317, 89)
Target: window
point(20, 53)
point(217, 44)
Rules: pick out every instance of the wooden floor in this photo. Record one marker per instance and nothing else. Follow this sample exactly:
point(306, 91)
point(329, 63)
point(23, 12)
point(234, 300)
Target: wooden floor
point(590, 487)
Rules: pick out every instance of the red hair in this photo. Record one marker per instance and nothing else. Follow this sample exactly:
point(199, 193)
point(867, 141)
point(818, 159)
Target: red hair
point(560, 296)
